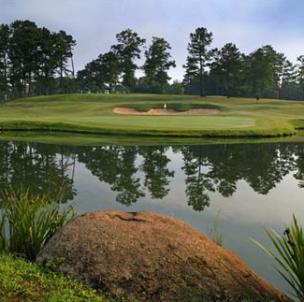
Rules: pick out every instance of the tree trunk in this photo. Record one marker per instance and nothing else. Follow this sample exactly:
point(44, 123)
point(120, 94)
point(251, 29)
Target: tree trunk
point(5, 78)
point(29, 84)
point(73, 68)
point(61, 76)
point(201, 76)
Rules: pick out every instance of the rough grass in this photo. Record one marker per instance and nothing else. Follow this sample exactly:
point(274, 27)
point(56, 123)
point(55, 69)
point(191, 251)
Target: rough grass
point(28, 282)
point(93, 114)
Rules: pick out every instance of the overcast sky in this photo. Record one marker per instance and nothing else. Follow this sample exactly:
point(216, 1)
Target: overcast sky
point(94, 23)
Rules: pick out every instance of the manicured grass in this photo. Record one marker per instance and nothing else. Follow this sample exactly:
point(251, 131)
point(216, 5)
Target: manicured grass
point(93, 113)
point(28, 282)
point(78, 139)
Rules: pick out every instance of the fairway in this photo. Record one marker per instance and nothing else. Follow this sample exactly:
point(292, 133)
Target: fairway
point(93, 113)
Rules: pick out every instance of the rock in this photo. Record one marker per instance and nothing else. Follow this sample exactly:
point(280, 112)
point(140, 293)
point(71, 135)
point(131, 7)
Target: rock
point(150, 257)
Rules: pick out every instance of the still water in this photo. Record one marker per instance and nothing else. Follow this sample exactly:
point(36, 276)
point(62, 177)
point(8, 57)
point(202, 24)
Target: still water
point(243, 188)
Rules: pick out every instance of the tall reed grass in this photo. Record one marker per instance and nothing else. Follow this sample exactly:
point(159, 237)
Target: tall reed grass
point(27, 222)
point(289, 255)
point(215, 232)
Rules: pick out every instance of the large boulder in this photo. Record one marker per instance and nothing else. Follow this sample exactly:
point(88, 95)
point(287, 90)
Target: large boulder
point(150, 257)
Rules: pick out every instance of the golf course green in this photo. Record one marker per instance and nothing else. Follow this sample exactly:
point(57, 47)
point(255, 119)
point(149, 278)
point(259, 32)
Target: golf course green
point(94, 114)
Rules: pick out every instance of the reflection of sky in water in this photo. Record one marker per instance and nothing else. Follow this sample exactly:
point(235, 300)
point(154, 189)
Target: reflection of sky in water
point(243, 215)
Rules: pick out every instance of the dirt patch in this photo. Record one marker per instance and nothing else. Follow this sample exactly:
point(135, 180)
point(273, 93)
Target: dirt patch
point(150, 257)
point(132, 111)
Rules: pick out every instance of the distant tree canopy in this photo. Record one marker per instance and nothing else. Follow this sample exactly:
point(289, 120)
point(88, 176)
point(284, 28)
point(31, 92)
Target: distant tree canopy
point(208, 71)
point(158, 62)
point(114, 70)
point(262, 73)
point(33, 60)
point(36, 61)
point(198, 57)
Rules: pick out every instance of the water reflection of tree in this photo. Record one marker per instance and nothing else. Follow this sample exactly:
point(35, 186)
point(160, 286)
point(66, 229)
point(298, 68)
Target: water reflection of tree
point(207, 169)
point(155, 167)
point(127, 184)
point(37, 168)
point(115, 165)
point(262, 166)
point(219, 168)
point(267, 165)
point(299, 164)
point(197, 182)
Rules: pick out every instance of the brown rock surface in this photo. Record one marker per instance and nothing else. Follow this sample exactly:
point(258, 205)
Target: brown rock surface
point(150, 257)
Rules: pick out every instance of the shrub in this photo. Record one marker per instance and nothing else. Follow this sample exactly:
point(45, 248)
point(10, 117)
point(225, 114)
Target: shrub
point(289, 255)
point(27, 222)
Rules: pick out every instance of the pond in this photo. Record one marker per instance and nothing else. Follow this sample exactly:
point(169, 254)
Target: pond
point(231, 190)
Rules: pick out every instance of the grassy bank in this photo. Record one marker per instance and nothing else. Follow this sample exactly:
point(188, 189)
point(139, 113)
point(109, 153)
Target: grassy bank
point(93, 114)
point(24, 281)
point(76, 139)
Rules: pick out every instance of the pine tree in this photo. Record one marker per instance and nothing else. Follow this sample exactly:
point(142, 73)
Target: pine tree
point(199, 55)
point(228, 67)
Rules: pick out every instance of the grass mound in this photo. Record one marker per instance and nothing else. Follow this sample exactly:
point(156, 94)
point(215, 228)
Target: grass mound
point(23, 281)
point(93, 113)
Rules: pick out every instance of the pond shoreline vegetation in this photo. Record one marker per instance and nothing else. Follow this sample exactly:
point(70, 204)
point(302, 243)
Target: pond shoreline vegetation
point(288, 253)
point(27, 222)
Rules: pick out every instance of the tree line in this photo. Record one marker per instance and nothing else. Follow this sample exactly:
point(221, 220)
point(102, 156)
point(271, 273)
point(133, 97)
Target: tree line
point(226, 71)
point(35, 61)
point(115, 70)
point(208, 71)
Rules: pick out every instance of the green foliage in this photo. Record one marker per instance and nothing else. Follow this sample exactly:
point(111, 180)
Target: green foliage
point(226, 69)
point(100, 75)
point(289, 255)
point(158, 63)
point(264, 68)
point(30, 57)
point(198, 57)
point(21, 281)
point(264, 73)
point(36, 61)
point(27, 222)
point(128, 49)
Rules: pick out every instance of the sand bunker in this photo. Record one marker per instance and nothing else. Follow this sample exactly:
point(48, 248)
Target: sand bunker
point(132, 111)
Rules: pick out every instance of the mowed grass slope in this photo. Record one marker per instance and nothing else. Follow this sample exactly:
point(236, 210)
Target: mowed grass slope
point(93, 113)
point(21, 281)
